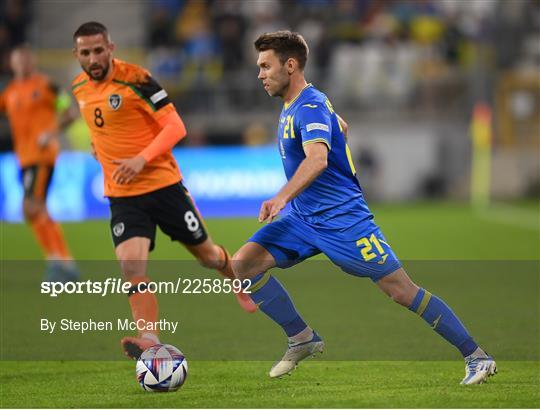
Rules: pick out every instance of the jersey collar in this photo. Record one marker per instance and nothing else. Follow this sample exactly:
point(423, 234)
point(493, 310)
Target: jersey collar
point(287, 105)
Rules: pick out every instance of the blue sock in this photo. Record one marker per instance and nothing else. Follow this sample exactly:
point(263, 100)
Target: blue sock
point(272, 298)
point(443, 320)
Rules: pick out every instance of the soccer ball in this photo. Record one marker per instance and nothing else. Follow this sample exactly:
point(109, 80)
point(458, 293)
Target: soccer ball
point(161, 368)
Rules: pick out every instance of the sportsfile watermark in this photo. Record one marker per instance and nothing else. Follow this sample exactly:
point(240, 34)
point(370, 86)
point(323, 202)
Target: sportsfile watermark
point(116, 286)
point(357, 321)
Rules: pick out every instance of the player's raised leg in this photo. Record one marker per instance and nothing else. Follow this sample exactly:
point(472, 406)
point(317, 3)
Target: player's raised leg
point(133, 256)
point(478, 364)
point(252, 262)
point(178, 217)
point(216, 257)
point(48, 233)
point(36, 215)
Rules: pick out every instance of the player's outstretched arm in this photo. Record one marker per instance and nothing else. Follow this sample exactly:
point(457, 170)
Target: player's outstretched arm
point(66, 113)
point(67, 117)
point(309, 169)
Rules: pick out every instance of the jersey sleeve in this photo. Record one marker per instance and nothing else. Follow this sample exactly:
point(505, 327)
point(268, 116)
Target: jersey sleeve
point(156, 100)
point(315, 124)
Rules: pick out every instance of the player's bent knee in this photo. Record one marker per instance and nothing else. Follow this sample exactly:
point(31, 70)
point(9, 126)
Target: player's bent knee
point(132, 268)
point(238, 264)
point(250, 260)
point(399, 297)
point(31, 210)
point(208, 254)
point(132, 255)
point(243, 267)
point(29, 214)
point(403, 295)
point(240, 270)
point(399, 287)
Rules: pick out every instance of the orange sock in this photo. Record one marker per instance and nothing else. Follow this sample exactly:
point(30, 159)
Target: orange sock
point(144, 305)
point(40, 225)
point(58, 243)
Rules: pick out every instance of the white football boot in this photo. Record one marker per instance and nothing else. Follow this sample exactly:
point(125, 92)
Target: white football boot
point(478, 369)
point(295, 353)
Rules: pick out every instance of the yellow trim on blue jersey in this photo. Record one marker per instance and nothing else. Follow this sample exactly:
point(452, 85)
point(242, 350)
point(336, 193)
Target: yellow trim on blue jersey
point(288, 104)
point(256, 286)
point(349, 158)
point(424, 303)
point(317, 140)
point(329, 106)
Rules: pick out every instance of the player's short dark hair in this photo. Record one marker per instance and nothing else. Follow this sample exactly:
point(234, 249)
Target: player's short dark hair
point(91, 28)
point(286, 44)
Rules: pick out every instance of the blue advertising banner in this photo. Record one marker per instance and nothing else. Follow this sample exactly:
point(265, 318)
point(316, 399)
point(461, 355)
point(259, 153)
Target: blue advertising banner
point(225, 182)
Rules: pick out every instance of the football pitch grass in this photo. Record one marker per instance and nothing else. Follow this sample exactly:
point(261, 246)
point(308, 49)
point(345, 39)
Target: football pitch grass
point(315, 384)
point(503, 315)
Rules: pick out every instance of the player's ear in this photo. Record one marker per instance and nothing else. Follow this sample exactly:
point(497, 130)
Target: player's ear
point(291, 65)
point(112, 46)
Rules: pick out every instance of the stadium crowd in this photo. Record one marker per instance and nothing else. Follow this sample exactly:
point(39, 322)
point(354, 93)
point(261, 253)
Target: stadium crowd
point(405, 53)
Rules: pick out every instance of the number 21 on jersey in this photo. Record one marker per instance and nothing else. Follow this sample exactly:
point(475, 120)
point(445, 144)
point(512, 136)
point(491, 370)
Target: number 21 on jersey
point(366, 245)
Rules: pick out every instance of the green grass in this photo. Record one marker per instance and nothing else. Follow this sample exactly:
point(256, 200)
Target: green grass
point(378, 354)
point(245, 385)
point(419, 231)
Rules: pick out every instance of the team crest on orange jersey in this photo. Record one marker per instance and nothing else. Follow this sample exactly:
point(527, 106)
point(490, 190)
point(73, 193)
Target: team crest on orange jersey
point(115, 101)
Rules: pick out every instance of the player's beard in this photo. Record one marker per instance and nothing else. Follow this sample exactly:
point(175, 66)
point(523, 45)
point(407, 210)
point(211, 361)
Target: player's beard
point(282, 88)
point(102, 75)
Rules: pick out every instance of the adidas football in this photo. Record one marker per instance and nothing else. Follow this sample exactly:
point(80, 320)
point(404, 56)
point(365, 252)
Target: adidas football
point(161, 368)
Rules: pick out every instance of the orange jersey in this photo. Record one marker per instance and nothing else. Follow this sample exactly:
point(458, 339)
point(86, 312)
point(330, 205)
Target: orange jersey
point(30, 106)
point(122, 113)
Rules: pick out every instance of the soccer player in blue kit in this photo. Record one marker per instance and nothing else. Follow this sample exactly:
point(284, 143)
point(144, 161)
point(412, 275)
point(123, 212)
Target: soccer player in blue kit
point(328, 214)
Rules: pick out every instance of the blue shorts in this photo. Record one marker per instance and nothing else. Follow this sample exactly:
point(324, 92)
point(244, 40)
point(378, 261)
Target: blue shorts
point(291, 240)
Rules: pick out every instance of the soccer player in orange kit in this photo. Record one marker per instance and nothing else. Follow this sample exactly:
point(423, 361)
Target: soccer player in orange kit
point(134, 126)
point(37, 110)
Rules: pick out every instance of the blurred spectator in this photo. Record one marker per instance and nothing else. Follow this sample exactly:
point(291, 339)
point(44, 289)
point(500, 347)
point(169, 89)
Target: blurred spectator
point(230, 26)
point(15, 16)
point(255, 134)
point(14, 20)
point(5, 47)
point(161, 28)
point(371, 53)
point(202, 66)
point(264, 16)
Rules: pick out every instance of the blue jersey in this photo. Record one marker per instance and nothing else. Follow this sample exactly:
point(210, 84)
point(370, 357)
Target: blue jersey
point(310, 118)
point(330, 216)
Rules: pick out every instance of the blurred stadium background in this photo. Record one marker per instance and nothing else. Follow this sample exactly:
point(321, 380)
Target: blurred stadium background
point(442, 96)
